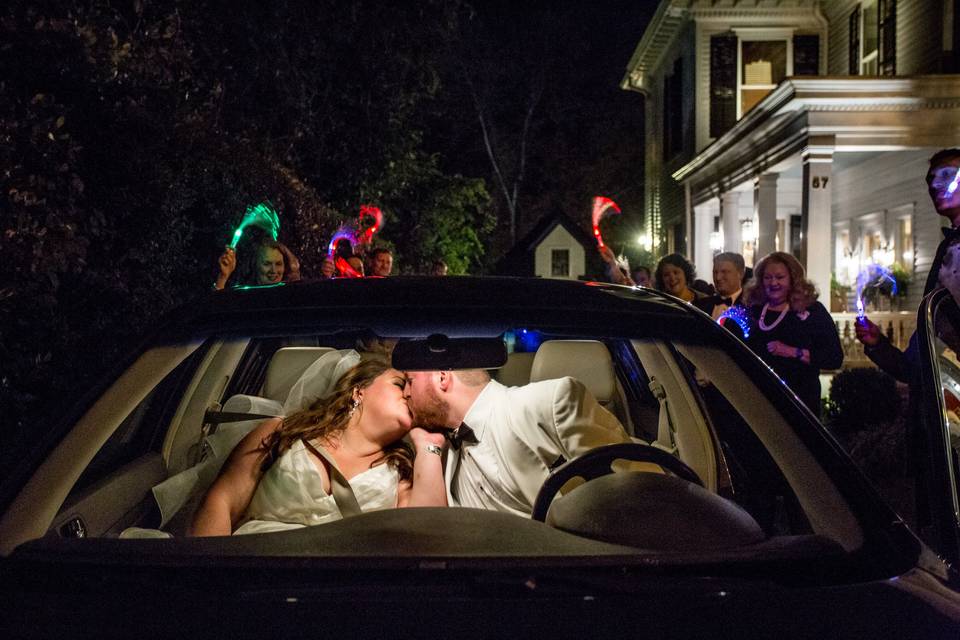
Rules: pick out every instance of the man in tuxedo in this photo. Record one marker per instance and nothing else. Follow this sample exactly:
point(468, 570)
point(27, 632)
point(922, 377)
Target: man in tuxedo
point(942, 185)
point(728, 269)
point(505, 441)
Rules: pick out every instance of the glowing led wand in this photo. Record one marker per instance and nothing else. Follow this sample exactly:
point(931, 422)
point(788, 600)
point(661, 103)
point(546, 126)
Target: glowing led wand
point(953, 184)
point(261, 215)
point(600, 207)
point(873, 276)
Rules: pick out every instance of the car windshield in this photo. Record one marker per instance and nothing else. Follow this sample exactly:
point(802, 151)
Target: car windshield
point(739, 469)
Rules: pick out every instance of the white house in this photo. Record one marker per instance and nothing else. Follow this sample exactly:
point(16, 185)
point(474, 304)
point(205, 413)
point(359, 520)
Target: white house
point(801, 125)
point(555, 248)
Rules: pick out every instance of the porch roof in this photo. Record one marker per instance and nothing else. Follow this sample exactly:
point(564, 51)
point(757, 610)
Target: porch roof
point(842, 114)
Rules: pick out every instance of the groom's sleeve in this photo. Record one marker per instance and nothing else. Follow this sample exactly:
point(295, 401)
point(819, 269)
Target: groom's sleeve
point(580, 422)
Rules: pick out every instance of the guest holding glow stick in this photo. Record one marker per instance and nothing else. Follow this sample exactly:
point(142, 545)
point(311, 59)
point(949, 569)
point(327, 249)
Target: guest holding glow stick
point(943, 178)
point(271, 263)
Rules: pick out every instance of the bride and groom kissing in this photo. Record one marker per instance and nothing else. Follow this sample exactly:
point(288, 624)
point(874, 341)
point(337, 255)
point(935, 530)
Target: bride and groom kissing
point(475, 443)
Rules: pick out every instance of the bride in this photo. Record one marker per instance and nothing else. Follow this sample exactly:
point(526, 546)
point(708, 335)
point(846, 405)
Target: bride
point(341, 455)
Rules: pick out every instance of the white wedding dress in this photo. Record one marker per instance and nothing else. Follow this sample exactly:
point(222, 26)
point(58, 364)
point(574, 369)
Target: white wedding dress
point(290, 494)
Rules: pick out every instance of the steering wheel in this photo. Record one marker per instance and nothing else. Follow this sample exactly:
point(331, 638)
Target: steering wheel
point(596, 463)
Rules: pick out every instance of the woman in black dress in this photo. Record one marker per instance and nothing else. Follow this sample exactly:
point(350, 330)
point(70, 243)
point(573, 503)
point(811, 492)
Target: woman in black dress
point(791, 331)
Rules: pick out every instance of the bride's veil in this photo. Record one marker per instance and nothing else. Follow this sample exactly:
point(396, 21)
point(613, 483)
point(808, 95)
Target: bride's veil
point(319, 379)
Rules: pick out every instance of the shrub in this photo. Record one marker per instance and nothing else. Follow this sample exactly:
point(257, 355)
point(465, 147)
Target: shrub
point(862, 398)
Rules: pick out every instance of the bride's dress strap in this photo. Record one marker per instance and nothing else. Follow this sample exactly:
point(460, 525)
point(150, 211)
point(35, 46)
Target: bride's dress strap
point(339, 487)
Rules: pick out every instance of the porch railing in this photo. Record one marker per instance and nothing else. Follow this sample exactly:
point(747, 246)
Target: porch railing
point(896, 325)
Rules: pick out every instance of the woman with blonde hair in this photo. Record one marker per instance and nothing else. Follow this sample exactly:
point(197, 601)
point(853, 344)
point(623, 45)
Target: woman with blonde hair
point(791, 331)
point(343, 454)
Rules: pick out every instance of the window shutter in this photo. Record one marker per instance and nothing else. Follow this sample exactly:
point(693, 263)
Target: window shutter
point(887, 47)
point(723, 83)
point(855, 42)
point(806, 55)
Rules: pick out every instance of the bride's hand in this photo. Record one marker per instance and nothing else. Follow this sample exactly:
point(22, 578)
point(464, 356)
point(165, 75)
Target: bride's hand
point(421, 438)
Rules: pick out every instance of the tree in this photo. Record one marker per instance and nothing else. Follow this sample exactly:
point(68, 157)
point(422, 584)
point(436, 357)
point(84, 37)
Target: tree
point(136, 134)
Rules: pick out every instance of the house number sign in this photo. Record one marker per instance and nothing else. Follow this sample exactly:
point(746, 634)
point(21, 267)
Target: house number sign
point(819, 183)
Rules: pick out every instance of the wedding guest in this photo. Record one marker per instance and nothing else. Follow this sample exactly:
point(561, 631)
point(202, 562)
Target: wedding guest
point(675, 275)
point(792, 332)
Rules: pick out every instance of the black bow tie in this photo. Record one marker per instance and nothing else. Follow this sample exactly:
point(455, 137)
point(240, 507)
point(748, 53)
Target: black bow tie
point(461, 435)
point(950, 232)
point(727, 301)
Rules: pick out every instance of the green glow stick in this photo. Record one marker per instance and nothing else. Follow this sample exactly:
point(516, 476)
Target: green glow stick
point(261, 215)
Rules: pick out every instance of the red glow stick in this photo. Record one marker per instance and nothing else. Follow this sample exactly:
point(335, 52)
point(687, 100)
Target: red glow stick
point(365, 237)
point(346, 271)
point(600, 206)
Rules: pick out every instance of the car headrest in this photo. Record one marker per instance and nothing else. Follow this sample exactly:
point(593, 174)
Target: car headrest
point(242, 403)
point(588, 361)
point(516, 371)
point(285, 368)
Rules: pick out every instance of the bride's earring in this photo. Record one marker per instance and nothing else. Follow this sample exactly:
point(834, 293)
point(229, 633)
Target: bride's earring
point(354, 405)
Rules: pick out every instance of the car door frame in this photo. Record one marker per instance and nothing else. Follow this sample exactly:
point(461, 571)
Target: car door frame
point(937, 465)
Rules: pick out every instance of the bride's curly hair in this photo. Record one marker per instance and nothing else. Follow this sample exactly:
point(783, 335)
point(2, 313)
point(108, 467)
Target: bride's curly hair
point(327, 417)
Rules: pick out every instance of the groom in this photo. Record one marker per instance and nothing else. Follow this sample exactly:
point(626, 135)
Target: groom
point(504, 441)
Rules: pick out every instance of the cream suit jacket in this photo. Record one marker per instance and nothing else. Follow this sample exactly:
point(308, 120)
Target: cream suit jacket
point(524, 432)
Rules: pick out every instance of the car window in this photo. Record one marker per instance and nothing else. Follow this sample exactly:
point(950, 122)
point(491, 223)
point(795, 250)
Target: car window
point(661, 390)
point(143, 430)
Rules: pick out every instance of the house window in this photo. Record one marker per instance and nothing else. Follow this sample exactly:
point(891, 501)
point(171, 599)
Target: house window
point(873, 36)
point(796, 237)
point(673, 111)
point(844, 258)
point(748, 63)
point(763, 65)
point(560, 263)
point(679, 238)
point(903, 241)
point(748, 240)
point(869, 36)
point(887, 37)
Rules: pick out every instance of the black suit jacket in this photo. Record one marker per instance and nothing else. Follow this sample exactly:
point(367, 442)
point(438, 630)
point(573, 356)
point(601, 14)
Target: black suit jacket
point(707, 304)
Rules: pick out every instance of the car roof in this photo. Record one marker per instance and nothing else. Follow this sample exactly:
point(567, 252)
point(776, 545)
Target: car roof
point(410, 305)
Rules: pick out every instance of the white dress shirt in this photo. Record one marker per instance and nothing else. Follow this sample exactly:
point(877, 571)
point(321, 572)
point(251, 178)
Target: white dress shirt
point(522, 434)
point(720, 308)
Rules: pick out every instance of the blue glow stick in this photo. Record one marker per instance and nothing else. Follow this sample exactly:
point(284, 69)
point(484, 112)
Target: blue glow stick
point(738, 315)
point(873, 276)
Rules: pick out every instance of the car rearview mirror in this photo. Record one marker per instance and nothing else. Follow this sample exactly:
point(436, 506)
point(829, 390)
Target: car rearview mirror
point(439, 352)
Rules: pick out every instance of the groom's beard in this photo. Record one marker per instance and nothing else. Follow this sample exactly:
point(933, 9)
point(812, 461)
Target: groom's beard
point(433, 413)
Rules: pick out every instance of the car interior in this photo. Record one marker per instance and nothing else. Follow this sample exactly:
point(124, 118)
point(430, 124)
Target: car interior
point(735, 474)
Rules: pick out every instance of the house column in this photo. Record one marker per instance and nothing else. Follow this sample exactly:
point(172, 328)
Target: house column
point(765, 213)
point(816, 210)
point(703, 215)
point(730, 220)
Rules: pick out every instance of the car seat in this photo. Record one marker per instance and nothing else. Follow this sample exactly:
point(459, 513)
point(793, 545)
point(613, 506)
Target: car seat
point(588, 361)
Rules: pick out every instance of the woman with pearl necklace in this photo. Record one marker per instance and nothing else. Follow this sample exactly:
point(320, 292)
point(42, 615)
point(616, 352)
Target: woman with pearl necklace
point(792, 332)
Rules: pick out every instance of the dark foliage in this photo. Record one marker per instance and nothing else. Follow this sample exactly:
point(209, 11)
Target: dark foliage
point(862, 398)
point(135, 134)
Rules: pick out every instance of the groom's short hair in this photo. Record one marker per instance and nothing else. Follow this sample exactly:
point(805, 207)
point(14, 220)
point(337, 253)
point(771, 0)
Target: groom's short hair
point(473, 377)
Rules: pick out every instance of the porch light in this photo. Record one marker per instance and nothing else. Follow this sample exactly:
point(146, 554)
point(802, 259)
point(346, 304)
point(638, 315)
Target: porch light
point(883, 255)
point(716, 240)
point(645, 241)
